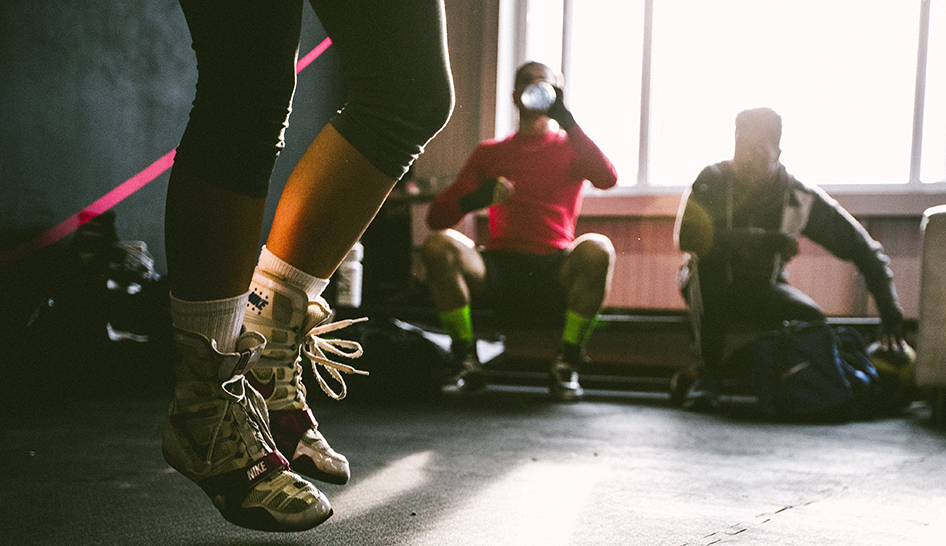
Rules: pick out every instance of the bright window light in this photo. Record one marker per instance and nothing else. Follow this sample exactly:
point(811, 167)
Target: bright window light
point(604, 79)
point(841, 74)
point(545, 46)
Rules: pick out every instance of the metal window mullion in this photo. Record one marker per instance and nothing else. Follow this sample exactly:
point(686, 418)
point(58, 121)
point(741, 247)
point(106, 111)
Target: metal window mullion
point(567, 32)
point(916, 150)
point(643, 151)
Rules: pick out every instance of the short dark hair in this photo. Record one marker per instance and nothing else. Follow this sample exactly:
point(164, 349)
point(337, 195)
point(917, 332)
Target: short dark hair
point(764, 120)
point(522, 78)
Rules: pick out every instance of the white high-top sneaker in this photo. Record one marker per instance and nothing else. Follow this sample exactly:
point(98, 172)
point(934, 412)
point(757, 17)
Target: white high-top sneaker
point(217, 435)
point(292, 324)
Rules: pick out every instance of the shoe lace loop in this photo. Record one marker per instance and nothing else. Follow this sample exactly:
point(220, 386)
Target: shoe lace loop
point(238, 396)
point(315, 348)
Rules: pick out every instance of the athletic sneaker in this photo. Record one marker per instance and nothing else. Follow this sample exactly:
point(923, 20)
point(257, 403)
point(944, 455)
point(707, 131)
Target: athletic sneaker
point(292, 325)
point(680, 383)
point(217, 435)
point(466, 374)
point(703, 395)
point(563, 374)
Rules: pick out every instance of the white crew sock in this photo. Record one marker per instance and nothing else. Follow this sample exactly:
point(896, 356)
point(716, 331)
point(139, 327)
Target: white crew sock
point(220, 320)
point(311, 285)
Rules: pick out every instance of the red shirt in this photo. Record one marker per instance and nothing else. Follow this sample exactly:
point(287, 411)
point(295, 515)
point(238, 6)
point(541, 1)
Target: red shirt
point(547, 172)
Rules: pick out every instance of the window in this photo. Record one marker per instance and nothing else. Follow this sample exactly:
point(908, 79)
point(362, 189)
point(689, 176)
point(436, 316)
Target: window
point(604, 77)
point(843, 75)
point(845, 96)
point(545, 47)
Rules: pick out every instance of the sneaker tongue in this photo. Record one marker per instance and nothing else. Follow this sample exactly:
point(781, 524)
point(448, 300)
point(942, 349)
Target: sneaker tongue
point(318, 312)
point(248, 350)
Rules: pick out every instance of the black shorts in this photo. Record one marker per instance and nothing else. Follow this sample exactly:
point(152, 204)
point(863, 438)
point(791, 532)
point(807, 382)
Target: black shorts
point(524, 289)
point(398, 86)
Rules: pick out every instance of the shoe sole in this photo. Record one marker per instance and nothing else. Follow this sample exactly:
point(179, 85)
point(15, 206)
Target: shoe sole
point(566, 396)
point(472, 383)
point(704, 404)
point(260, 519)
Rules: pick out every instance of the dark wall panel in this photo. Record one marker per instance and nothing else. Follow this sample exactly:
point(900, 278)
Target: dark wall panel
point(93, 91)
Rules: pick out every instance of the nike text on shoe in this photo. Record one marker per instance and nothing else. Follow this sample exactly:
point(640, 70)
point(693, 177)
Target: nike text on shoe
point(217, 435)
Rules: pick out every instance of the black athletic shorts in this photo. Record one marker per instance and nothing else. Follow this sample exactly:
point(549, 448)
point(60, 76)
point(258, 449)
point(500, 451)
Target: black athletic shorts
point(524, 289)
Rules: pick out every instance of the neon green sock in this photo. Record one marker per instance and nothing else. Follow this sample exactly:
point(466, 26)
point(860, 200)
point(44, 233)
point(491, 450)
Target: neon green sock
point(458, 323)
point(577, 328)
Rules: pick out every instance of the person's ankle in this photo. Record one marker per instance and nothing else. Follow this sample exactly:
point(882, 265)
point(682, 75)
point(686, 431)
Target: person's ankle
point(571, 353)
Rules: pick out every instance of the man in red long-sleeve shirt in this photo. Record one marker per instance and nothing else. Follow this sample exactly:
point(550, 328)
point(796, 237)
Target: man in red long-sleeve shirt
point(533, 267)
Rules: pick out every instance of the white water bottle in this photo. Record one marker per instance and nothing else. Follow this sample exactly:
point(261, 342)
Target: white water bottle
point(538, 97)
point(348, 278)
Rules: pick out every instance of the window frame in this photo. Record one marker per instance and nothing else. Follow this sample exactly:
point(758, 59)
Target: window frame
point(513, 29)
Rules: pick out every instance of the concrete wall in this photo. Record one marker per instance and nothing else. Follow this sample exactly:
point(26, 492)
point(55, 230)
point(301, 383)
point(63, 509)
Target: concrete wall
point(94, 91)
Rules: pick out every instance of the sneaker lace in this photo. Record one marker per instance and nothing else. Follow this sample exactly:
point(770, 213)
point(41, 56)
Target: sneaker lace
point(315, 347)
point(238, 396)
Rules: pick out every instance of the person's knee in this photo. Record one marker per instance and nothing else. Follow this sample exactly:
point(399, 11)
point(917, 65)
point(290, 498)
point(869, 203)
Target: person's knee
point(438, 250)
point(391, 121)
point(793, 304)
point(428, 107)
point(597, 253)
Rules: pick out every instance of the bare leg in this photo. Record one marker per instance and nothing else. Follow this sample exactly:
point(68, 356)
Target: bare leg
point(586, 273)
point(454, 269)
point(586, 279)
point(332, 190)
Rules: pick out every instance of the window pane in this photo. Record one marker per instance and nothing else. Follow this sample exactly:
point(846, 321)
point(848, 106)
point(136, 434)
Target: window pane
point(933, 165)
point(841, 73)
point(544, 37)
point(604, 86)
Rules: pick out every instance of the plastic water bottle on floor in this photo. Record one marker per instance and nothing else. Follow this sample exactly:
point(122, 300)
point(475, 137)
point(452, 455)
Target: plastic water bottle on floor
point(348, 278)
